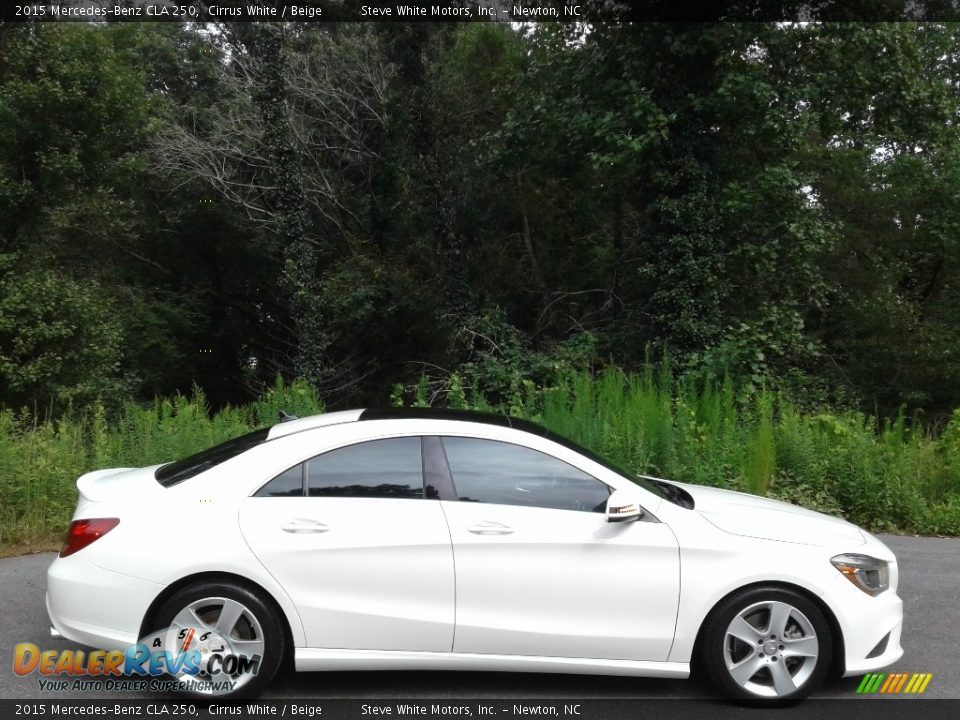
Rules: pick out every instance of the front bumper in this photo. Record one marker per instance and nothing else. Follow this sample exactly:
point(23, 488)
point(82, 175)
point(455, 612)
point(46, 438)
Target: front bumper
point(94, 606)
point(864, 623)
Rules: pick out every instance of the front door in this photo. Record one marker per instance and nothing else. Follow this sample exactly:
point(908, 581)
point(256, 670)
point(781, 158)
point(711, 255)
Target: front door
point(540, 571)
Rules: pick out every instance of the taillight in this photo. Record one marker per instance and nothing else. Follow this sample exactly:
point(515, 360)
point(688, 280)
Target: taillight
point(84, 532)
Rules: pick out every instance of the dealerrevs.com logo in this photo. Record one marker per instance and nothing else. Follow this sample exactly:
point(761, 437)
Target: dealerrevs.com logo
point(198, 660)
point(894, 683)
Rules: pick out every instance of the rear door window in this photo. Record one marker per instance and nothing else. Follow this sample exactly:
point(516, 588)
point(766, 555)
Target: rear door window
point(388, 468)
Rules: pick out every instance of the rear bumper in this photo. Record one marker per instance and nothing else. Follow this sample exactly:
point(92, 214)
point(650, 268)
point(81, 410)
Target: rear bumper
point(94, 606)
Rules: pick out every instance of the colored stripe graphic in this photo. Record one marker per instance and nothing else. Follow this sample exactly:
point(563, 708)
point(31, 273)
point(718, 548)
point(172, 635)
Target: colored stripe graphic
point(894, 683)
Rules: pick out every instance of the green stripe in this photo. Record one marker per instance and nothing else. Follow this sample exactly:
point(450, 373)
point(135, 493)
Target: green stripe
point(871, 683)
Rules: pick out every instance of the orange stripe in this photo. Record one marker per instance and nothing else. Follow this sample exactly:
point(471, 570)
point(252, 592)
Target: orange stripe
point(889, 682)
point(903, 679)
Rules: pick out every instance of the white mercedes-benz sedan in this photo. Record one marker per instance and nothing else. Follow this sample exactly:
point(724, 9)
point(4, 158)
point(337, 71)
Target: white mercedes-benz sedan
point(429, 539)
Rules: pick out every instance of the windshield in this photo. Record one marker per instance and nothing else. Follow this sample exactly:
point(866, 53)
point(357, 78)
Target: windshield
point(175, 472)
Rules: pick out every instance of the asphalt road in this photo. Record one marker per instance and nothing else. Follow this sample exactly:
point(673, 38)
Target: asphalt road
point(929, 586)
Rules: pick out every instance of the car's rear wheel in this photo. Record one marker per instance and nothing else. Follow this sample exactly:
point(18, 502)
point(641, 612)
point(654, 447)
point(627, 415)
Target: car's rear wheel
point(238, 639)
point(766, 644)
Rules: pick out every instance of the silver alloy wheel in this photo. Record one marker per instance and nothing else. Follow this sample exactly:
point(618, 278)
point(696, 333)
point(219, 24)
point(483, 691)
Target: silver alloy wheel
point(221, 626)
point(770, 648)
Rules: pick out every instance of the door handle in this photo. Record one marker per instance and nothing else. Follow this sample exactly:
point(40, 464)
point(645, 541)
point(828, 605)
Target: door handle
point(488, 527)
point(301, 525)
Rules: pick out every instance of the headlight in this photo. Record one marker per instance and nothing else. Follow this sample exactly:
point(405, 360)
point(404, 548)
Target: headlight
point(867, 573)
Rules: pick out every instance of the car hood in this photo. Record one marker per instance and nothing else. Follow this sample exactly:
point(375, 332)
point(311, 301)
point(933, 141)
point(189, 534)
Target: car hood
point(752, 516)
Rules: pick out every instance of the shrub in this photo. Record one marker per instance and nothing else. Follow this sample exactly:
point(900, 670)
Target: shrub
point(897, 478)
point(40, 462)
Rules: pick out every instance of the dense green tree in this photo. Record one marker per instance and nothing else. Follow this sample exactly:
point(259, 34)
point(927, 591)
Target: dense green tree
point(60, 343)
point(70, 105)
point(885, 152)
point(359, 203)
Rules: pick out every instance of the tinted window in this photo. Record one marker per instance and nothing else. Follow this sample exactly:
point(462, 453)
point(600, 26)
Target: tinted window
point(511, 422)
point(287, 484)
point(495, 472)
point(172, 473)
point(380, 468)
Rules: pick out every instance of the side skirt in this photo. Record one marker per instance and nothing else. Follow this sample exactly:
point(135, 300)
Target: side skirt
point(307, 659)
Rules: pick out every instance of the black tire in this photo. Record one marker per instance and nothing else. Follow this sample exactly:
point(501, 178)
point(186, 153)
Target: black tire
point(272, 627)
point(717, 647)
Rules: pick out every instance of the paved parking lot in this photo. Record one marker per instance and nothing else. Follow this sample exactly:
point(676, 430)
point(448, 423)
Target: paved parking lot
point(929, 586)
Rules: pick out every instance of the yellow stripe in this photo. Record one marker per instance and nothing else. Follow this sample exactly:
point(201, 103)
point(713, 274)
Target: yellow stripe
point(920, 678)
point(889, 681)
point(903, 679)
point(912, 684)
point(926, 681)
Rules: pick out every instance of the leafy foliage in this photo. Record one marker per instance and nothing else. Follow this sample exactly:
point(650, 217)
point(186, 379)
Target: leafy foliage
point(41, 460)
point(770, 206)
point(898, 479)
point(59, 340)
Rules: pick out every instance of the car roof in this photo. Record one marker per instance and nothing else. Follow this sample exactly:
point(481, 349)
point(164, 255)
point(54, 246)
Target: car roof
point(289, 427)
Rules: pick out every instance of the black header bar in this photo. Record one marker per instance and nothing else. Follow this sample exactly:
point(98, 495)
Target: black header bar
point(102, 11)
point(472, 709)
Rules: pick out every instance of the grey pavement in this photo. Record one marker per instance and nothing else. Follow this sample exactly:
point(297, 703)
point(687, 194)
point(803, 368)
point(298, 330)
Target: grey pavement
point(929, 586)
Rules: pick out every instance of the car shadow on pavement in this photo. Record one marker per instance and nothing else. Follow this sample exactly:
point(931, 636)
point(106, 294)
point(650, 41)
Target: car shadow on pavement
point(393, 685)
point(449, 685)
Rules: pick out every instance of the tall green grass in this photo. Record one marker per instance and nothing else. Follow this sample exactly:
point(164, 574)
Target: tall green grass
point(40, 462)
point(898, 476)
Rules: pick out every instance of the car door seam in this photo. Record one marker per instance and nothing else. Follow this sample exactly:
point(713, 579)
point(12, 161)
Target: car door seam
point(453, 557)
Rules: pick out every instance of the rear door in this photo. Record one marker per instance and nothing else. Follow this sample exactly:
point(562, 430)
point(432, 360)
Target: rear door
point(361, 547)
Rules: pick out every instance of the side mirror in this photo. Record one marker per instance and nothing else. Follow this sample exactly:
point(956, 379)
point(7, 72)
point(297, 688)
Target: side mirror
point(621, 508)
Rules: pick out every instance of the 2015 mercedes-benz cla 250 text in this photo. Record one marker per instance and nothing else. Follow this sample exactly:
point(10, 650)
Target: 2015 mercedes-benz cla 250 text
point(404, 539)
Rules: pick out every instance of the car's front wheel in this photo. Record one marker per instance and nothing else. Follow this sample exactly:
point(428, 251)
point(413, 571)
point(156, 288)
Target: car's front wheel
point(235, 639)
point(766, 644)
